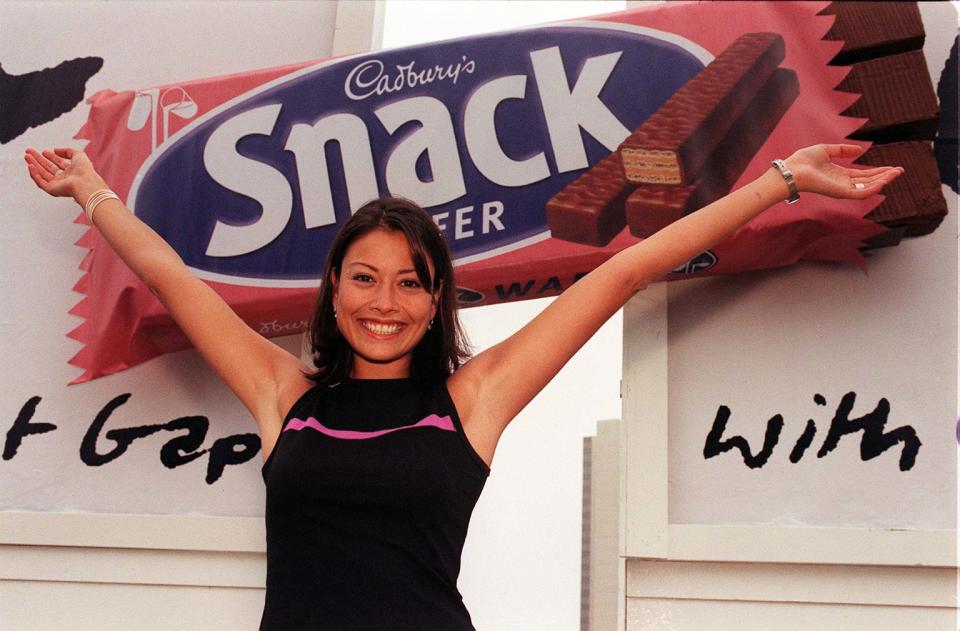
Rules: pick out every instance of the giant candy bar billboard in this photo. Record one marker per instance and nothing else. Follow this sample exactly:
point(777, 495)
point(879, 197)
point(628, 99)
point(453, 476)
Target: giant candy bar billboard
point(539, 152)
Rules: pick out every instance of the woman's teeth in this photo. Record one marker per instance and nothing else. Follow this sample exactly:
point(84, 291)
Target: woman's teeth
point(383, 329)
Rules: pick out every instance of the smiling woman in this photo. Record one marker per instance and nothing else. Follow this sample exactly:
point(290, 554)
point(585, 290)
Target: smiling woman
point(382, 311)
point(389, 308)
point(375, 460)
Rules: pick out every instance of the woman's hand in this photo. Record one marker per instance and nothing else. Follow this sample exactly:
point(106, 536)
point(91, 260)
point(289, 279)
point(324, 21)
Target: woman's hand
point(815, 172)
point(64, 172)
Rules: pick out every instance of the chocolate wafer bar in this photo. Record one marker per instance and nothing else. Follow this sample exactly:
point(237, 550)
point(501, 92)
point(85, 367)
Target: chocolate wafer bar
point(654, 206)
point(671, 146)
point(914, 201)
point(589, 210)
point(897, 99)
point(888, 239)
point(874, 29)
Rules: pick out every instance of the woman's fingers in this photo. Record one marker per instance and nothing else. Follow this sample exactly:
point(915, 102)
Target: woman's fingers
point(35, 174)
point(31, 157)
point(41, 178)
point(59, 161)
point(36, 168)
point(45, 162)
point(879, 176)
point(865, 187)
point(891, 175)
point(867, 172)
point(46, 169)
point(843, 152)
point(42, 163)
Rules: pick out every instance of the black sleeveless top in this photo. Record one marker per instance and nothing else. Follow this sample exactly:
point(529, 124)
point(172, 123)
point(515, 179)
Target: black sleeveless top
point(370, 488)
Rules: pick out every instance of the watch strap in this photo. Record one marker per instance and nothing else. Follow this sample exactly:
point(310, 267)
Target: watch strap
point(787, 174)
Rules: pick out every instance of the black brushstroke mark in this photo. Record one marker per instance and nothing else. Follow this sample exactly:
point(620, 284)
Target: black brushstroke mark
point(224, 453)
point(874, 440)
point(803, 443)
point(715, 446)
point(183, 449)
point(122, 437)
point(22, 427)
point(38, 97)
point(177, 451)
point(945, 144)
point(806, 438)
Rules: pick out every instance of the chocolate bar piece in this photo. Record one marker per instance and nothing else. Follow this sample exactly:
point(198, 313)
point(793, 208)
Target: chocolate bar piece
point(672, 145)
point(653, 206)
point(914, 201)
point(874, 29)
point(887, 239)
point(897, 99)
point(589, 210)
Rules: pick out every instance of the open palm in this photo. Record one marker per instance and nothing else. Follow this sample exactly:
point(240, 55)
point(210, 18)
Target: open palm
point(62, 172)
point(816, 172)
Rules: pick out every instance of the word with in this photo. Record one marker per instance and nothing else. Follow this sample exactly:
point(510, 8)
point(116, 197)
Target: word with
point(178, 451)
point(873, 442)
point(368, 78)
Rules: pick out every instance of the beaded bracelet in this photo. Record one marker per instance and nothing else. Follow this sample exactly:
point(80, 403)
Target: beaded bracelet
point(94, 200)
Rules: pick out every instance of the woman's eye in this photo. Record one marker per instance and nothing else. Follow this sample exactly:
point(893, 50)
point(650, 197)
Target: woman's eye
point(363, 278)
point(410, 284)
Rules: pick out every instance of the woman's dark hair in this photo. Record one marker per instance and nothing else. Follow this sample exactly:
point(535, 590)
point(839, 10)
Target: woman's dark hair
point(444, 347)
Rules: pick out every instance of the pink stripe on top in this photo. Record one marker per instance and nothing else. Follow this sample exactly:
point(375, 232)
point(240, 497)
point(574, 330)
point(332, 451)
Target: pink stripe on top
point(445, 423)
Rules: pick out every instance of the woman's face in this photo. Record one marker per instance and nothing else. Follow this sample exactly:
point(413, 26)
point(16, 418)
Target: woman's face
point(382, 308)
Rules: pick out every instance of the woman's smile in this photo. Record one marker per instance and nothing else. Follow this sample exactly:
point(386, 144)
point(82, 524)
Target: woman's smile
point(383, 308)
point(382, 330)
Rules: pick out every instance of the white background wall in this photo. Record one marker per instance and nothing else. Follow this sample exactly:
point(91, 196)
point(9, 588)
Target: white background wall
point(831, 543)
point(150, 44)
point(765, 343)
point(48, 587)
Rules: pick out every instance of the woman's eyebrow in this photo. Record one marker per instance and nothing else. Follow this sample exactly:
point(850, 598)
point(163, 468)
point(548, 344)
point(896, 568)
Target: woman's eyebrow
point(373, 268)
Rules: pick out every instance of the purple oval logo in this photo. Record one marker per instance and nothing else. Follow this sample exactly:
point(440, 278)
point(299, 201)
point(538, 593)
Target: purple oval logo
point(481, 132)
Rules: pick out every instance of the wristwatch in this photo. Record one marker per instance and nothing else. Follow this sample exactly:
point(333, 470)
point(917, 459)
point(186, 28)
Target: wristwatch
point(781, 166)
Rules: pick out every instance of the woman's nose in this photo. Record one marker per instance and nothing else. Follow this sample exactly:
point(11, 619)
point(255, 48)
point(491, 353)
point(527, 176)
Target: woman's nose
point(385, 298)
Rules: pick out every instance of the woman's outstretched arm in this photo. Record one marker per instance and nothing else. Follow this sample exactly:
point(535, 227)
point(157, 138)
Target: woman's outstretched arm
point(493, 387)
point(265, 377)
